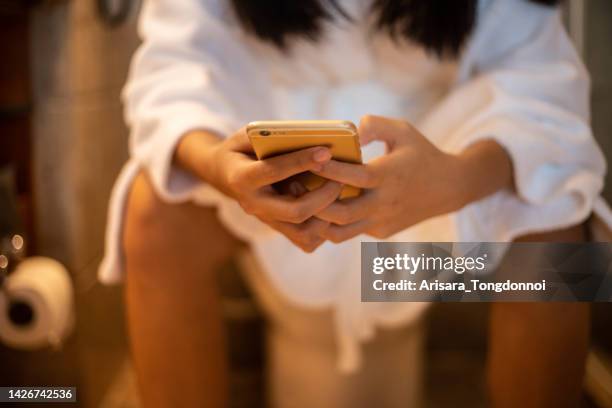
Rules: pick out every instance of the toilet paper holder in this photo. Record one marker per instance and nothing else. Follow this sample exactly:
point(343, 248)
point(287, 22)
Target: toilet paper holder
point(20, 314)
point(36, 293)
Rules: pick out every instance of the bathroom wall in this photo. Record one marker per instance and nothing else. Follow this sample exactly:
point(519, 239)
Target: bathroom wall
point(79, 67)
point(598, 57)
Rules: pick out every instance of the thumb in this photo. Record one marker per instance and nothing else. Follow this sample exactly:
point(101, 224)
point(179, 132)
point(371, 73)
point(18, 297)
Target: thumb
point(393, 132)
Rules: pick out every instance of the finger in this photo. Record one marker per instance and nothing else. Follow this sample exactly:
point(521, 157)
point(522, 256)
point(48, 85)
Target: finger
point(350, 210)
point(307, 236)
point(341, 233)
point(269, 171)
point(297, 210)
point(358, 175)
point(391, 131)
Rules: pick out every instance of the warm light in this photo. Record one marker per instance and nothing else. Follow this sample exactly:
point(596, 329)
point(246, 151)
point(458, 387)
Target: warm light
point(17, 242)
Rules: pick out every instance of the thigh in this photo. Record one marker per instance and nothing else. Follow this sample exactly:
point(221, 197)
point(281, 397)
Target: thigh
point(173, 253)
point(155, 231)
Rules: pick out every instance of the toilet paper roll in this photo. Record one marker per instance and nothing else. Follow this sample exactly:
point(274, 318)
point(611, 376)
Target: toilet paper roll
point(36, 305)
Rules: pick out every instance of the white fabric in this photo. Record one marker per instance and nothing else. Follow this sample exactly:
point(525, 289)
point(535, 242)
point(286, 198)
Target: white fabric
point(519, 82)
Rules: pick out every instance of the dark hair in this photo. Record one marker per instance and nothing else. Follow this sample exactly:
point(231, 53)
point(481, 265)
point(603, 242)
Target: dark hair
point(440, 26)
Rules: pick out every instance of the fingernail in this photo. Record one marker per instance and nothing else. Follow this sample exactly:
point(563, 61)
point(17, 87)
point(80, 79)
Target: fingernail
point(322, 155)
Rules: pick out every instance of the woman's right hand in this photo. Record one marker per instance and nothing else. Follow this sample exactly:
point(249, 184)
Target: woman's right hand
point(230, 166)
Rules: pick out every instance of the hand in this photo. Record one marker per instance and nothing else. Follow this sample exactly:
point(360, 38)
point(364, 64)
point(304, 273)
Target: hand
point(413, 182)
point(230, 166)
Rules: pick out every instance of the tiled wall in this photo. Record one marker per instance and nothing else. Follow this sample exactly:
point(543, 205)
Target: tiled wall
point(80, 143)
point(80, 139)
point(598, 56)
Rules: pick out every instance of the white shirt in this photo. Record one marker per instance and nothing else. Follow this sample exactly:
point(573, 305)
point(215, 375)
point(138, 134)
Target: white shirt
point(519, 81)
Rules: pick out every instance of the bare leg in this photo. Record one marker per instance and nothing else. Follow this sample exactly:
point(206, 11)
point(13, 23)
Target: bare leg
point(537, 351)
point(173, 305)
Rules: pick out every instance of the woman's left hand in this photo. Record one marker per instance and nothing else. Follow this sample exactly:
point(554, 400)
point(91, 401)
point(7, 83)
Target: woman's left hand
point(413, 182)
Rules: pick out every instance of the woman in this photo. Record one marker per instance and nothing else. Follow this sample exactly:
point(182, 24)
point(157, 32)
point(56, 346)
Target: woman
point(490, 142)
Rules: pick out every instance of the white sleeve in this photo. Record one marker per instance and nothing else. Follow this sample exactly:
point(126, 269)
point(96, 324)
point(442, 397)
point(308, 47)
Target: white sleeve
point(526, 88)
point(192, 71)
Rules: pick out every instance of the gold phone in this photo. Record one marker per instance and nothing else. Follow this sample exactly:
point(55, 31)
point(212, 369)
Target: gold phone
point(272, 138)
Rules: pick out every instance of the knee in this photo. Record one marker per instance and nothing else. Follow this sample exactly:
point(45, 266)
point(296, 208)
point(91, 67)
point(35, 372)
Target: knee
point(147, 217)
point(155, 228)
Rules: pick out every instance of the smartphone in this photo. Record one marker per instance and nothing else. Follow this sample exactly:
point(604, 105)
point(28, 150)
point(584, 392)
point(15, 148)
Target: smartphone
point(272, 138)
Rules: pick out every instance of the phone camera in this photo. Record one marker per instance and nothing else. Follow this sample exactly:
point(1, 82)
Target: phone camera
point(265, 133)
